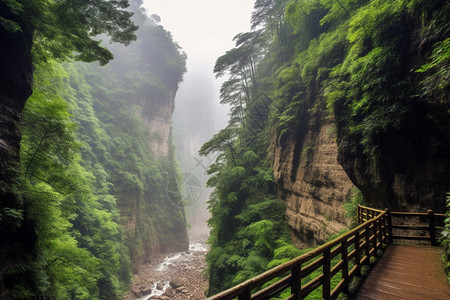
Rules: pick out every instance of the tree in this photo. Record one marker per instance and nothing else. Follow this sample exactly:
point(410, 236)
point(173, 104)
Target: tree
point(269, 14)
point(68, 29)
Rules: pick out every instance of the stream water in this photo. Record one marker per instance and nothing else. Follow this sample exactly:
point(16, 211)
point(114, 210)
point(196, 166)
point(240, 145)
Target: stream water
point(174, 264)
point(175, 276)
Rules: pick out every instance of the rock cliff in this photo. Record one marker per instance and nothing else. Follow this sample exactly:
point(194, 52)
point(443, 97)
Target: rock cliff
point(15, 88)
point(157, 116)
point(391, 121)
point(408, 168)
point(17, 234)
point(311, 181)
point(412, 171)
point(148, 73)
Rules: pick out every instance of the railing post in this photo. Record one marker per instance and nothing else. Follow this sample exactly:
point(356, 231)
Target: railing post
point(344, 255)
point(358, 212)
point(377, 235)
point(326, 287)
point(357, 253)
point(389, 225)
point(368, 243)
point(296, 281)
point(383, 226)
point(382, 233)
point(432, 229)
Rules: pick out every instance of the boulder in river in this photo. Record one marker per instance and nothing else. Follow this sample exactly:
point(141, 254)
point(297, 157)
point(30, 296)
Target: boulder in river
point(168, 292)
point(137, 292)
point(176, 282)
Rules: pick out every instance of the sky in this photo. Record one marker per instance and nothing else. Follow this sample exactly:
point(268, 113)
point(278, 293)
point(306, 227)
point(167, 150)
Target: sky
point(204, 29)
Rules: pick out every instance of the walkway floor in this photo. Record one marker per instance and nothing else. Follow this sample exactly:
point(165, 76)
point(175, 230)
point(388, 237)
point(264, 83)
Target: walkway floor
point(407, 272)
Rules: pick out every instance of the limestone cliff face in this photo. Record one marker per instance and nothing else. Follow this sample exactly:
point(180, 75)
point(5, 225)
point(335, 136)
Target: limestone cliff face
point(161, 234)
point(157, 116)
point(311, 181)
point(396, 150)
point(148, 72)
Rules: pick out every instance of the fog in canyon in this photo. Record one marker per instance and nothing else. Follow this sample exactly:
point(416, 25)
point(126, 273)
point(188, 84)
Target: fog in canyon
point(204, 30)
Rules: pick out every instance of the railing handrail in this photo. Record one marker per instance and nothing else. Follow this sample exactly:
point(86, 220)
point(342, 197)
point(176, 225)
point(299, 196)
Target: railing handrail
point(414, 214)
point(371, 208)
point(243, 290)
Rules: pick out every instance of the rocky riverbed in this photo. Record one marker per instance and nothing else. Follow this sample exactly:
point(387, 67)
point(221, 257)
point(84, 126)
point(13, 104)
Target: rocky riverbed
point(176, 276)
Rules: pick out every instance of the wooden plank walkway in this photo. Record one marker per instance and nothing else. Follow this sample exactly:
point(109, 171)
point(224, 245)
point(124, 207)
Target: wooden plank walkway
point(407, 272)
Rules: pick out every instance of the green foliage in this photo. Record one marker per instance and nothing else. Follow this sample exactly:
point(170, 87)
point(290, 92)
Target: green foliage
point(15, 8)
point(86, 167)
point(371, 87)
point(70, 29)
point(308, 153)
point(353, 53)
point(284, 253)
point(436, 84)
point(354, 198)
point(61, 196)
point(247, 223)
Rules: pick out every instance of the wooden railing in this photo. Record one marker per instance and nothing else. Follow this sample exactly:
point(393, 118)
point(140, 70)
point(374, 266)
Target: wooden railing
point(337, 261)
point(429, 224)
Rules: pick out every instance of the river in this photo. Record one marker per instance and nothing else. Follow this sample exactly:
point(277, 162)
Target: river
point(175, 276)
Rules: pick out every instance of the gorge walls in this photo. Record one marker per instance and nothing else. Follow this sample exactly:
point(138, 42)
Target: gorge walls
point(310, 180)
point(401, 159)
point(87, 167)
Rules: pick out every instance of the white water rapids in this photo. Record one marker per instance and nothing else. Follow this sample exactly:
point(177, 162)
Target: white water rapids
point(158, 288)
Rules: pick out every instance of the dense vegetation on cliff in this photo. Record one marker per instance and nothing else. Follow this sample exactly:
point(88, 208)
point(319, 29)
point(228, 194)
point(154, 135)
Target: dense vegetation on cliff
point(89, 186)
point(379, 68)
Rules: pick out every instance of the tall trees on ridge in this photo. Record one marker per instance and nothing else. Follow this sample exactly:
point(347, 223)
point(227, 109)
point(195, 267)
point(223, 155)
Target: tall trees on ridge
point(247, 227)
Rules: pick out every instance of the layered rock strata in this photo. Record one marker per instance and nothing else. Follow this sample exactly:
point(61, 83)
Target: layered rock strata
point(311, 181)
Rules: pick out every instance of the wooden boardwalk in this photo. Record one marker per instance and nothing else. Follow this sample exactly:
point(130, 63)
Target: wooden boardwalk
point(407, 272)
point(402, 272)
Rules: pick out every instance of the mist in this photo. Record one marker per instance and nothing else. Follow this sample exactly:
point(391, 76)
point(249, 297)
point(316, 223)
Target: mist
point(204, 30)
